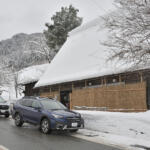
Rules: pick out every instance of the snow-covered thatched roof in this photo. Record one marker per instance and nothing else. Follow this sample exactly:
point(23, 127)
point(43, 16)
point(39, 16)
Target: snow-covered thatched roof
point(83, 56)
point(31, 74)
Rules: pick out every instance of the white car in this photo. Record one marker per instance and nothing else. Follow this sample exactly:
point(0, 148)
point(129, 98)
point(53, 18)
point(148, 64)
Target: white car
point(4, 107)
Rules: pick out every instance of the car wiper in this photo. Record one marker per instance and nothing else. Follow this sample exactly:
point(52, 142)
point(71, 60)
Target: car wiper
point(55, 109)
point(52, 109)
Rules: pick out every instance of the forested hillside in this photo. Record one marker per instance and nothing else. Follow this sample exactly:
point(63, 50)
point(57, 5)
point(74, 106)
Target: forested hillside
point(23, 50)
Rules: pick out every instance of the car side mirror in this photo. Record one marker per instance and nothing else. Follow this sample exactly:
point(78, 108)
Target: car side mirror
point(37, 108)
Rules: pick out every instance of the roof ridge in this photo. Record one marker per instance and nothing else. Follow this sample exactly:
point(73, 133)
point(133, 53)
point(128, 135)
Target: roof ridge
point(85, 26)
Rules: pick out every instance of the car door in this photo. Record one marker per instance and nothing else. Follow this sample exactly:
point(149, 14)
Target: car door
point(36, 111)
point(27, 110)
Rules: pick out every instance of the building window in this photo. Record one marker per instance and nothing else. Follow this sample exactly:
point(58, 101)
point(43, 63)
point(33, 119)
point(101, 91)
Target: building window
point(93, 82)
point(54, 88)
point(79, 84)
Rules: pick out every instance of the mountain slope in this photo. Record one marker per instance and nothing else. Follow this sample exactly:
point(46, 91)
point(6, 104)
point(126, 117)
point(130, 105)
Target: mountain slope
point(22, 49)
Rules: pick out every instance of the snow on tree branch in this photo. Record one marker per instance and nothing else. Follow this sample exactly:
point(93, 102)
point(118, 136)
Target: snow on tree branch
point(129, 31)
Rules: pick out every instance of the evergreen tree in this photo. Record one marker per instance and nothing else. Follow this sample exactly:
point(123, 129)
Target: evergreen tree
point(62, 23)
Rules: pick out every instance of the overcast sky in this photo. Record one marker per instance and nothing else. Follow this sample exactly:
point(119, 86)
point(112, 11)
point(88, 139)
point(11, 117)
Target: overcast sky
point(30, 16)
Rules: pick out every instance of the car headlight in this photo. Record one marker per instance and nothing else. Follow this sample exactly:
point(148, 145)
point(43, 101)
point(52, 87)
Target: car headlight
point(57, 116)
point(79, 115)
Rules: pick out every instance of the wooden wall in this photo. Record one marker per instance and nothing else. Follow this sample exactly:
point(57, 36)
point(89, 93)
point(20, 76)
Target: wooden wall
point(55, 94)
point(29, 91)
point(126, 97)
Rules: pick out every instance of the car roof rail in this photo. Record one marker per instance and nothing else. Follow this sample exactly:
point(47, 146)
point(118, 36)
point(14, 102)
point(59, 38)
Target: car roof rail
point(35, 97)
point(31, 97)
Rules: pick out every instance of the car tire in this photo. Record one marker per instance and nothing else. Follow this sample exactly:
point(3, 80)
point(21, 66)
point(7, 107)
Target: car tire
point(7, 115)
point(18, 120)
point(45, 126)
point(74, 130)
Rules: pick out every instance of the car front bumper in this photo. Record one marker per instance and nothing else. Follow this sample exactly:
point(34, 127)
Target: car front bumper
point(67, 124)
point(4, 112)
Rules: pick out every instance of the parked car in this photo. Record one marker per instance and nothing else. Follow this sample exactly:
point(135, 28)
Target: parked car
point(4, 107)
point(49, 114)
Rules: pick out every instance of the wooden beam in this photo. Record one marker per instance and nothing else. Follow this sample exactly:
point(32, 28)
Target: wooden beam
point(85, 83)
point(102, 81)
point(120, 78)
point(59, 87)
point(70, 97)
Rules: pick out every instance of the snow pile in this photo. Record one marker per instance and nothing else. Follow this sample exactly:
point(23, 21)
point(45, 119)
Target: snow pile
point(31, 74)
point(124, 129)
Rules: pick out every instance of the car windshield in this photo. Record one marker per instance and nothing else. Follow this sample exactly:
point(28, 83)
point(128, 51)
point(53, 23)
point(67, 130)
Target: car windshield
point(2, 100)
point(52, 105)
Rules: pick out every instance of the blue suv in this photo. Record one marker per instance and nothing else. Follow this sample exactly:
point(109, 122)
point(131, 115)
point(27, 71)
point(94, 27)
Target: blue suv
point(49, 114)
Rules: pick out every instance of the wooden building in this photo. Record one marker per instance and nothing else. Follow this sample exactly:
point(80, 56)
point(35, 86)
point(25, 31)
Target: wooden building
point(128, 91)
point(81, 78)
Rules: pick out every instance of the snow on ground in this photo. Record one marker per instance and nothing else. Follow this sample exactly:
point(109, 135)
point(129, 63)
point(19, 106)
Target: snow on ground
point(122, 129)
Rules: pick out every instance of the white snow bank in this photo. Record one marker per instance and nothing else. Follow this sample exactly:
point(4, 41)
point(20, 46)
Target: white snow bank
point(124, 129)
point(31, 74)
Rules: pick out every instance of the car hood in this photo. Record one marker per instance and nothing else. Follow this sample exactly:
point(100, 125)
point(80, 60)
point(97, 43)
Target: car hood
point(4, 104)
point(65, 113)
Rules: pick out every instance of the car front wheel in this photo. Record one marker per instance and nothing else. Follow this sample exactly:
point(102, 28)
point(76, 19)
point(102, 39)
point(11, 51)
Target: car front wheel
point(45, 126)
point(18, 120)
point(7, 115)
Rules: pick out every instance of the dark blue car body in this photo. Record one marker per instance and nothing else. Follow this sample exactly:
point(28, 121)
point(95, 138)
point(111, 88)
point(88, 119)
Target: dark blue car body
point(32, 111)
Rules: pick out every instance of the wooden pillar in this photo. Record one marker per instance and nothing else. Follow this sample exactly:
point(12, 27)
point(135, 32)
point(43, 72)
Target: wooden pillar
point(141, 76)
point(59, 88)
point(102, 81)
point(120, 78)
point(105, 82)
point(85, 83)
point(70, 101)
point(72, 86)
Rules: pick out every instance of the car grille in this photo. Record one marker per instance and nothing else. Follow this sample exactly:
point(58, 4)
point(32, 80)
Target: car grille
point(71, 120)
point(4, 107)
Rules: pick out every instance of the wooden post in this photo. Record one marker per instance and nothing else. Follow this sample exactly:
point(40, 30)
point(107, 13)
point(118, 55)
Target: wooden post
point(59, 92)
point(141, 76)
point(85, 83)
point(50, 90)
point(70, 101)
point(105, 82)
point(72, 86)
point(102, 81)
point(59, 88)
point(120, 78)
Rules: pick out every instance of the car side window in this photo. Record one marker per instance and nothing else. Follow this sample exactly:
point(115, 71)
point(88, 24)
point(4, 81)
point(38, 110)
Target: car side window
point(27, 103)
point(35, 104)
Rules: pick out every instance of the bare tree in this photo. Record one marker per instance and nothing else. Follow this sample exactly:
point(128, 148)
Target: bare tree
point(129, 31)
point(43, 49)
